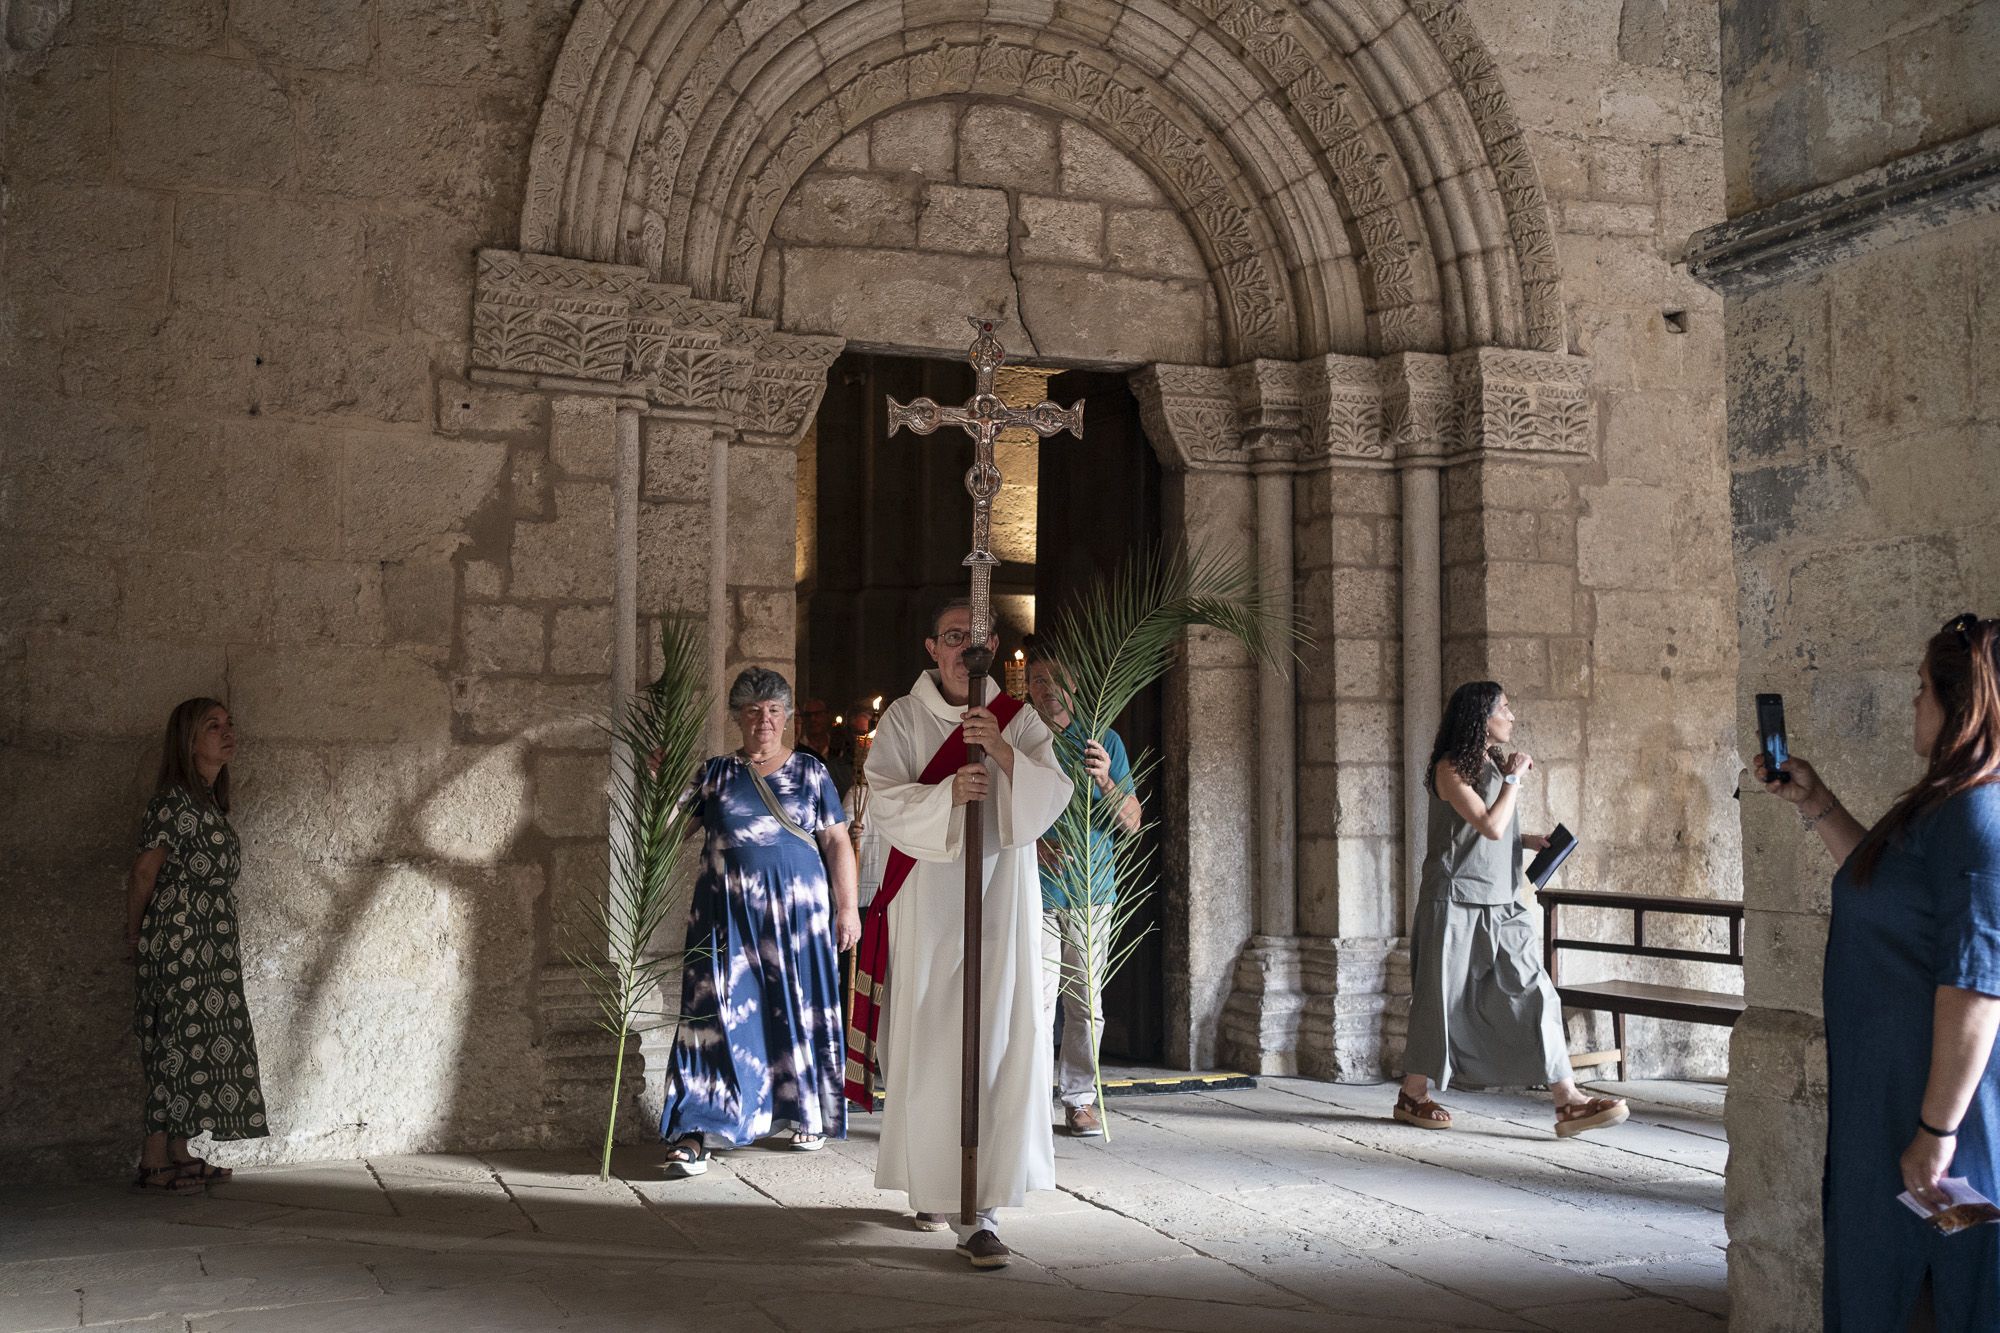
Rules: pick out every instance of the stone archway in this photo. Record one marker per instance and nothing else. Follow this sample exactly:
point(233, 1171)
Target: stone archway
point(1383, 267)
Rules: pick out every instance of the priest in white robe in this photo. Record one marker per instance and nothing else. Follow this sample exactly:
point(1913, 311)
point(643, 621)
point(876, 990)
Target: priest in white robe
point(1021, 790)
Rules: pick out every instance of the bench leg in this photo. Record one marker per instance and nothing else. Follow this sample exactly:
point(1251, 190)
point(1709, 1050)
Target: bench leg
point(1618, 1039)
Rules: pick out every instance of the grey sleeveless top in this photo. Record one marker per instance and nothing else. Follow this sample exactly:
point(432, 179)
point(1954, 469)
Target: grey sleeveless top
point(1465, 867)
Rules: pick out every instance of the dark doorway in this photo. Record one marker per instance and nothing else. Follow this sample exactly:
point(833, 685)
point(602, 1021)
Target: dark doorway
point(884, 531)
point(1098, 501)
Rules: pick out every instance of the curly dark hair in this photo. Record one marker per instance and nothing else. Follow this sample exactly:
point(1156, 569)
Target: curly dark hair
point(1461, 736)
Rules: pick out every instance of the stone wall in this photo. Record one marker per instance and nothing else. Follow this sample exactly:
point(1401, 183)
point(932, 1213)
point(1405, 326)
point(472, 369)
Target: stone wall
point(1862, 268)
point(240, 461)
point(255, 448)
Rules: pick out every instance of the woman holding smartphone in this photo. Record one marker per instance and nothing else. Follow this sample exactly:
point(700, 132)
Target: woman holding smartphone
point(1481, 1007)
point(1912, 1001)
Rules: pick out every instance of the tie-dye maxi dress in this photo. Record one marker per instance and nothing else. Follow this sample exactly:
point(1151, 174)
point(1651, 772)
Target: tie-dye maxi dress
point(761, 1044)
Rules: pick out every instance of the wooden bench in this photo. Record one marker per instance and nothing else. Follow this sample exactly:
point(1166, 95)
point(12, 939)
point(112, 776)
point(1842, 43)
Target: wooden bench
point(1645, 999)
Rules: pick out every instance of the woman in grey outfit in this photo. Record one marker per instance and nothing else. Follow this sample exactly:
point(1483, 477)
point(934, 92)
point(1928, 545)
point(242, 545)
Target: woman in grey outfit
point(1482, 1010)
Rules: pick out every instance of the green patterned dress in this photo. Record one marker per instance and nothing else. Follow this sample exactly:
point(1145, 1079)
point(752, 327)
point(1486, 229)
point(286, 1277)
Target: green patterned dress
point(195, 1043)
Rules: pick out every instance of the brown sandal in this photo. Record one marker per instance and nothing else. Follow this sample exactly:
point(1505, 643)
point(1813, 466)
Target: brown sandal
point(1597, 1113)
point(1425, 1114)
point(164, 1180)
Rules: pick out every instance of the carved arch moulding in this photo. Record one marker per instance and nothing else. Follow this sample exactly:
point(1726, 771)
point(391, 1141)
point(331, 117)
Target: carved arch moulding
point(1329, 156)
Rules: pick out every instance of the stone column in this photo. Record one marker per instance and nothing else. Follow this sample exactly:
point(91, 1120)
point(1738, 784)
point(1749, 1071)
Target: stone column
point(1864, 415)
point(1272, 464)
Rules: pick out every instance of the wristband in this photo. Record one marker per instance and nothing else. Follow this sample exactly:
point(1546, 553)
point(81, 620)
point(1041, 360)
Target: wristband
point(1511, 779)
point(1935, 1132)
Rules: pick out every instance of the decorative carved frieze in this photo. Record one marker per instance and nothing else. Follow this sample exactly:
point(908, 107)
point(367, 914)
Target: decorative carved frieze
point(537, 315)
point(1407, 407)
point(1512, 401)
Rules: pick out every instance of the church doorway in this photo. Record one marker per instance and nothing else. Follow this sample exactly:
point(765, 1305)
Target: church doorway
point(883, 526)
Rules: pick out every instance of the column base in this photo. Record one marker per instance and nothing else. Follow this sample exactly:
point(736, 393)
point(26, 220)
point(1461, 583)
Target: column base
point(1319, 1008)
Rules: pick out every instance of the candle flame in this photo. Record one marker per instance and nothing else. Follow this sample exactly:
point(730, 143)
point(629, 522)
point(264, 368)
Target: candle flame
point(878, 701)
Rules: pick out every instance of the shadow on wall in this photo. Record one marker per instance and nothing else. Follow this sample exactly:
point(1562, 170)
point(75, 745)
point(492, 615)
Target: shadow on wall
point(395, 909)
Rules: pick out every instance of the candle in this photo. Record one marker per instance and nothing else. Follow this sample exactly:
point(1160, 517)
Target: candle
point(1017, 674)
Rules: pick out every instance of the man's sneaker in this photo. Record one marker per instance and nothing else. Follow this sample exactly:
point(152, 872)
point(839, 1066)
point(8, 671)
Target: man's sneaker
point(1083, 1122)
point(984, 1250)
point(931, 1221)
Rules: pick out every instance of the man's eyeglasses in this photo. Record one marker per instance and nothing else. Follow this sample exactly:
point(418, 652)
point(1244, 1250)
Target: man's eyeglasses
point(955, 638)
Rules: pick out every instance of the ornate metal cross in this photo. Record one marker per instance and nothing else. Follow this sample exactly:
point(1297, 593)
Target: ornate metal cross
point(983, 418)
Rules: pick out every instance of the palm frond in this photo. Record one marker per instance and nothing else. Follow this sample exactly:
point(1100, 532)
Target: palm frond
point(656, 743)
point(1115, 641)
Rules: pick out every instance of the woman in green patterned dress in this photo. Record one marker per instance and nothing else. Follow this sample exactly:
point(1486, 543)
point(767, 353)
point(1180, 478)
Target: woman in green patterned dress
point(195, 1043)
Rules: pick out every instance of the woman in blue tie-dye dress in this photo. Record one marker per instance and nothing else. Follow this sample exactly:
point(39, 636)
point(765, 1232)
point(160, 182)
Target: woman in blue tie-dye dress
point(761, 1048)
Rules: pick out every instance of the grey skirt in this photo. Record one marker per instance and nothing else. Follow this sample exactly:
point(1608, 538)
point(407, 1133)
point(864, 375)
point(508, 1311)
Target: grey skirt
point(1482, 1009)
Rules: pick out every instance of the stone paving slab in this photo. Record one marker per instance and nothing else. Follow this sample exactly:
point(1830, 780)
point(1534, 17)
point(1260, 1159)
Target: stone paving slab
point(1290, 1206)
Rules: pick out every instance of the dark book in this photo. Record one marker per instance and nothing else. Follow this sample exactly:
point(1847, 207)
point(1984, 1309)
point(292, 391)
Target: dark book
point(1549, 860)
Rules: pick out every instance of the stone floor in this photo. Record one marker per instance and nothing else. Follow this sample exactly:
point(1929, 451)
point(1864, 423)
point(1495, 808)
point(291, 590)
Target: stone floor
point(1294, 1206)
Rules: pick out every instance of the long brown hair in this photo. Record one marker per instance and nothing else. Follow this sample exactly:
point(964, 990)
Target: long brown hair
point(177, 766)
point(1965, 679)
point(1461, 734)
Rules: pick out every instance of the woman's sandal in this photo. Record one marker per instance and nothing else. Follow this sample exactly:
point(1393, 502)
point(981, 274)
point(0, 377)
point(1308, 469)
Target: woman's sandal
point(802, 1142)
point(1597, 1113)
point(164, 1180)
point(1425, 1114)
point(194, 1168)
point(683, 1160)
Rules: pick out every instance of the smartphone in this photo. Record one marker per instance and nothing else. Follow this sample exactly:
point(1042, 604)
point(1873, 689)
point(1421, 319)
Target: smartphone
point(1771, 734)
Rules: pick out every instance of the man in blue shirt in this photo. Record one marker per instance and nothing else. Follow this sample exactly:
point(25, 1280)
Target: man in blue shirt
point(1114, 812)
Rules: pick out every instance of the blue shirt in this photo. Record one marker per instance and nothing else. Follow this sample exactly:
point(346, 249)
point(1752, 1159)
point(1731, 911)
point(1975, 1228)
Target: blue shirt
point(1105, 825)
point(1930, 917)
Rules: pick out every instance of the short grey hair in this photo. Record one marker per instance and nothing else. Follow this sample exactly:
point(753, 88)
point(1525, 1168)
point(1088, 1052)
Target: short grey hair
point(945, 608)
point(758, 685)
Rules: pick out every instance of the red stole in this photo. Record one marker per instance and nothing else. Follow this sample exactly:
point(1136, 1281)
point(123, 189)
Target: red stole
point(871, 956)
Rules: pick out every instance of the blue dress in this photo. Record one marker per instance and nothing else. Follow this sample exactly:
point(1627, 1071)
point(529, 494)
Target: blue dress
point(1930, 917)
point(761, 1047)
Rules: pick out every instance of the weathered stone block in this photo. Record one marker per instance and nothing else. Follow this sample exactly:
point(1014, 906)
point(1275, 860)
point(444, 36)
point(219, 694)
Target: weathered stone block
point(270, 256)
point(673, 559)
point(74, 472)
point(1093, 169)
point(327, 35)
point(851, 210)
point(1125, 318)
point(763, 506)
point(377, 140)
point(1006, 146)
point(894, 298)
point(675, 460)
point(170, 594)
point(58, 585)
point(503, 638)
point(917, 139)
point(570, 557)
point(850, 154)
point(338, 695)
point(330, 600)
point(488, 411)
point(1529, 599)
point(502, 707)
point(1358, 668)
point(92, 243)
point(1152, 240)
point(1062, 230)
point(441, 41)
point(1367, 733)
point(58, 126)
point(583, 437)
point(418, 597)
point(1625, 531)
point(964, 221)
point(766, 623)
point(190, 120)
point(408, 493)
point(1365, 602)
point(571, 794)
point(1923, 375)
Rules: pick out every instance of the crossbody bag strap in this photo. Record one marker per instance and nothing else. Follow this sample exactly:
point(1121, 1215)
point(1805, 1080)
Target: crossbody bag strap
point(771, 803)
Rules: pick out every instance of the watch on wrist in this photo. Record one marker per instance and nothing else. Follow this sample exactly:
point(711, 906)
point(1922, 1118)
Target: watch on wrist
point(1511, 779)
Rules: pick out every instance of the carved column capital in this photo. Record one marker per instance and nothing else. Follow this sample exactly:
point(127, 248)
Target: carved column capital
point(1419, 412)
point(1190, 416)
point(1516, 402)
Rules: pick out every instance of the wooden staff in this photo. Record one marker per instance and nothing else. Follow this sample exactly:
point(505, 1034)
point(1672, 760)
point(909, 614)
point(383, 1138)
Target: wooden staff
point(978, 661)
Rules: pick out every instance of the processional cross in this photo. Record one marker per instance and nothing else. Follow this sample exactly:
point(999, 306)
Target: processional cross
point(983, 418)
